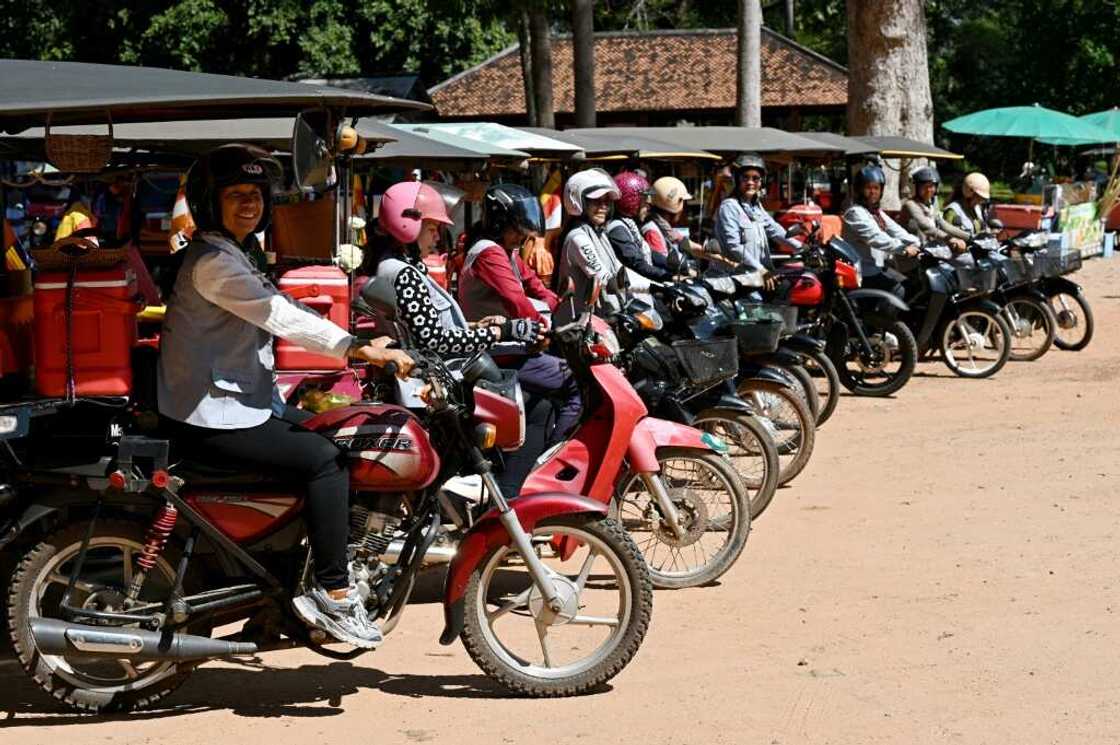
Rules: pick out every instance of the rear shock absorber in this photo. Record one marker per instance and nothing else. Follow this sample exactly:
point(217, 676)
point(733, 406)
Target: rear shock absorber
point(154, 543)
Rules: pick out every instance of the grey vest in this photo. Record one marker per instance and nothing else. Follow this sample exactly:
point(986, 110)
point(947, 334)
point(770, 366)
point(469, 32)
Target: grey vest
point(215, 369)
point(968, 224)
point(480, 299)
point(382, 292)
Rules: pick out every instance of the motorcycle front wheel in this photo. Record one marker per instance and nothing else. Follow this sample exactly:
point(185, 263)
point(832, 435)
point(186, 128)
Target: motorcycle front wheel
point(788, 421)
point(827, 381)
point(1075, 321)
point(516, 638)
point(1033, 326)
point(712, 508)
point(888, 369)
point(751, 452)
point(976, 344)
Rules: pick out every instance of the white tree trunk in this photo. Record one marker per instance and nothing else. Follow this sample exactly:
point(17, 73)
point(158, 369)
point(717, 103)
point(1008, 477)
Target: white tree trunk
point(888, 76)
point(748, 109)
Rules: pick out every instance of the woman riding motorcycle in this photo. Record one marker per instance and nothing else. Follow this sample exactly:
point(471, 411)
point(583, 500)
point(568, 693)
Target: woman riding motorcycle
point(967, 212)
point(586, 254)
point(921, 216)
point(411, 215)
point(216, 382)
point(629, 244)
point(879, 239)
point(743, 227)
point(495, 281)
point(669, 197)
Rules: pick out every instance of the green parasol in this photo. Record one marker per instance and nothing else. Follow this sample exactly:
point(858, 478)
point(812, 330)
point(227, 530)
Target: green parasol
point(1034, 122)
point(1108, 120)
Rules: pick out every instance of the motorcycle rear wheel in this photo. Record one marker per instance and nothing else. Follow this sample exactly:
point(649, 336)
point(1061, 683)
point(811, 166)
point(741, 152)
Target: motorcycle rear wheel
point(1033, 326)
point(693, 478)
point(101, 685)
point(788, 421)
point(985, 350)
point(858, 380)
point(751, 452)
point(501, 590)
point(1075, 321)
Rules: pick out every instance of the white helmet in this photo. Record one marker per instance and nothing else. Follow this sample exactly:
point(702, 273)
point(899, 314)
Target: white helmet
point(594, 183)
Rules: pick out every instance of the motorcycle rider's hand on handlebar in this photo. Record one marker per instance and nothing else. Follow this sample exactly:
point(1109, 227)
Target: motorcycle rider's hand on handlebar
point(377, 353)
point(957, 245)
point(912, 250)
point(523, 330)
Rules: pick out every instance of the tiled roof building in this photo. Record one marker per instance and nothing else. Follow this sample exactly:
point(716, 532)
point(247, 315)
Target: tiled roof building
point(656, 77)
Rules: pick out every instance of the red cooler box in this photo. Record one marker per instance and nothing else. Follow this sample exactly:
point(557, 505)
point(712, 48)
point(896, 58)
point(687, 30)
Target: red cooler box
point(103, 332)
point(326, 290)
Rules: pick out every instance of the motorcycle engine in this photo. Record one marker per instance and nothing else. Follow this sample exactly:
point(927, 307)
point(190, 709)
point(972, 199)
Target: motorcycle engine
point(372, 527)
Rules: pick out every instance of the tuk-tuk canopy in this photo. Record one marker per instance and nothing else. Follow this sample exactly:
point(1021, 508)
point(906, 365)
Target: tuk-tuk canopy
point(850, 146)
point(905, 147)
point(605, 144)
point(724, 141)
point(501, 136)
point(33, 93)
point(416, 144)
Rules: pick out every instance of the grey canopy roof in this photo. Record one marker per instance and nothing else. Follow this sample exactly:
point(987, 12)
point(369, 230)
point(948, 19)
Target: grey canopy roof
point(83, 93)
point(905, 147)
point(433, 150)
point(849, 145)
point(606, 143)
point(726, 141)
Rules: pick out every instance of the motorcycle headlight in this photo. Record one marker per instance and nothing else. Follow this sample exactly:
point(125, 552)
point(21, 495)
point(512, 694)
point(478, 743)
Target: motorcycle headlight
point(39, 228)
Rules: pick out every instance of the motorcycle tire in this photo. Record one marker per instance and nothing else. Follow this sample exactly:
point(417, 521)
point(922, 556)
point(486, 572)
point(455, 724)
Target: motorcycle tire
point(1033, 322)
point(808, 388)
point(516, 673)
point(751, 452)
point(1068, 320)
point(826, 379)
point(64, 679)
point(991, 328)
point(681, 473)
point(796, 448)
point(851, 372)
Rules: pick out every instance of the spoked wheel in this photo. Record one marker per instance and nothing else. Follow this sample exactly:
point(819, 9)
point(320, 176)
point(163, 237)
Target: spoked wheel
point(827, 382)
point(888, 367)
point(713, 514)
point(976, 344)
point(1075, 321)
point(751, 452)
point(514, 635)
point(1032, 325)
point(807, 388)
point(788, 422)
point(93, 684)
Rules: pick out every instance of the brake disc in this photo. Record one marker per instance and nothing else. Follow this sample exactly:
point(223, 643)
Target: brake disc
point(694, 519)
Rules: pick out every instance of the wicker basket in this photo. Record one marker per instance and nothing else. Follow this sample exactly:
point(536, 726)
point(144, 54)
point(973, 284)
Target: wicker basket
point(79, 153)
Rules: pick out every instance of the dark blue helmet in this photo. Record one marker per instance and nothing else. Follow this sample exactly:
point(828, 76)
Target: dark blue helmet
point(507, 205)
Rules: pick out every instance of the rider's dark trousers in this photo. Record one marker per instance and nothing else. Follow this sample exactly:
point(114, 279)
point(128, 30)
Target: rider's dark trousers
point(283, 446)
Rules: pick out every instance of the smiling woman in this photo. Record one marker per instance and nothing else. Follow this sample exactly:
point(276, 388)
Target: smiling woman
point(242, 206)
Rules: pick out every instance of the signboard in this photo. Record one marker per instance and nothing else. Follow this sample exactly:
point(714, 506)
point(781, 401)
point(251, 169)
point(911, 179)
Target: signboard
point(1081, 228)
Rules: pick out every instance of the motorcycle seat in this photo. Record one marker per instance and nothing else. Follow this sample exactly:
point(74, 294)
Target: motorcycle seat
point(196, 471)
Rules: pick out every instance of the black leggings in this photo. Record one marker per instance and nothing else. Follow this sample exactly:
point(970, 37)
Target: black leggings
point(284, 445)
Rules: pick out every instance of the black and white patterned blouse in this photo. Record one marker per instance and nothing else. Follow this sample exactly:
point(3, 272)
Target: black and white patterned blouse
point(415, 310)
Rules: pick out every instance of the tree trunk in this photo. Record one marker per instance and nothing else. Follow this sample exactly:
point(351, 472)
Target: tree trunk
point(888, 76)
point(790, 26)
point(748, 105)
point(541, 51)
point(523, 46)
point(583, 61)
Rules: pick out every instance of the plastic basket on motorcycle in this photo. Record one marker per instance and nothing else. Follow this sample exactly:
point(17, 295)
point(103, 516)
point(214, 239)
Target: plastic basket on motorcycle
point(1028, 266)
point(785, 314)
point(1055, 262)
point(708, 361)
point(758, 337)
point(973, 279)
point(657, 360)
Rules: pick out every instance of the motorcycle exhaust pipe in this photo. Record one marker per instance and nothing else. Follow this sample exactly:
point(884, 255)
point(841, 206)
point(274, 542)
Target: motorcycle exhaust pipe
point(434, 555)
point(54, 636)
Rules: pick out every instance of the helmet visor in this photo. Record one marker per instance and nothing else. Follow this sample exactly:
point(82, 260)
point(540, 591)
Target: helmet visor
point(526, 213)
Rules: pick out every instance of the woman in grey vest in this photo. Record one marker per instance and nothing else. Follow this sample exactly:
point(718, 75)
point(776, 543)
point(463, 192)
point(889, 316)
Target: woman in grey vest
point(921, 216)
point(216, 380)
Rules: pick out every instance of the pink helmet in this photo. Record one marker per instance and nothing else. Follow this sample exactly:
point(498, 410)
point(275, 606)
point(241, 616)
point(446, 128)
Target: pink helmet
point(406, 205)
point(633, 187)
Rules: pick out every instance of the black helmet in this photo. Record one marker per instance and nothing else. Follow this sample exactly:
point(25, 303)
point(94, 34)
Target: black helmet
point(869, 174)
point(926, 175)
point(752, 161)
point(507, 205)
point(225, 166)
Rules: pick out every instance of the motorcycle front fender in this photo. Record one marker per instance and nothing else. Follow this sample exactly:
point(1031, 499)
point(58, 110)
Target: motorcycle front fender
point(982, 304)
point(768, 375)
point(652, 433)
point(868, 293)
point(1055, 285)
point(803, 344)
point(488, 534)
point(31, 515)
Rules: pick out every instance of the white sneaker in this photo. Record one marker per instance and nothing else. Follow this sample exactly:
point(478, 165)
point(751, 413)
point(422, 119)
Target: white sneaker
point(346, 620)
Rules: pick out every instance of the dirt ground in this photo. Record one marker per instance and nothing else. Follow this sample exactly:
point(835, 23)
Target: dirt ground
point(945, 571)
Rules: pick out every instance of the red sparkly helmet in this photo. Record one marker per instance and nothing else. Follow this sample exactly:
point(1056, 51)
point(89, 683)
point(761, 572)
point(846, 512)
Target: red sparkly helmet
point(633, 188)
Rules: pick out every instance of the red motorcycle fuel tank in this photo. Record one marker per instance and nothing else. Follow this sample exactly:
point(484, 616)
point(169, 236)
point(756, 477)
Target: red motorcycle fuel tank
point(807, 290)
point(245, 516)
point(387, 446)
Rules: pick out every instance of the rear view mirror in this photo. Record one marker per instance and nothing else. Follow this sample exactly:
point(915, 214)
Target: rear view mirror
point(312, 144)
point(795, 230)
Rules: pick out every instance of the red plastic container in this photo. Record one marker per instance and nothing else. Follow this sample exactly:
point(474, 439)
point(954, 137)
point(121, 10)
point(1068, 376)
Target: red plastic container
point(326, 290)
point(103, 332)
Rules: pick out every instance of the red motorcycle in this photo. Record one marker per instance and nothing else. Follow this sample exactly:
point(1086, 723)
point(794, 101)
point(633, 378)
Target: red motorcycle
point(671, 486)
point(130, 557)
